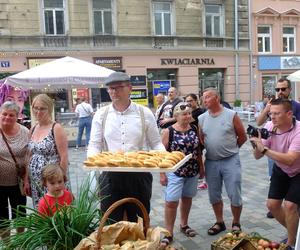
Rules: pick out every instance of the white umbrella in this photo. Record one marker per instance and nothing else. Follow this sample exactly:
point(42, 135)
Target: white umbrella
point(64, 73)
point(294, 77)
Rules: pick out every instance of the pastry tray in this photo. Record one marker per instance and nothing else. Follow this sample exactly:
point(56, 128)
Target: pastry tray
point(140, 169)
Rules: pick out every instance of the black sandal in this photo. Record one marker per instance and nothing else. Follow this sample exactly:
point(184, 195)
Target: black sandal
point(236, 226)
point(188, 231)
point(166, 241)
point(215, 230)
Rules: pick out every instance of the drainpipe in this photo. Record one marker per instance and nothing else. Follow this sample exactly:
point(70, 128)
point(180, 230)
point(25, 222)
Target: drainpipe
point(252, 86)
point(236, 47)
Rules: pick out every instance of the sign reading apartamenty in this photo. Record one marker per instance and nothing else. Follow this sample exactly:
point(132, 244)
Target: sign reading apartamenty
point(114, 63)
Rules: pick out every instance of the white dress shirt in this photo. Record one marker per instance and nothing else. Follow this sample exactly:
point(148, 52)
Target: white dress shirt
point(84, 109)
point(123, 131)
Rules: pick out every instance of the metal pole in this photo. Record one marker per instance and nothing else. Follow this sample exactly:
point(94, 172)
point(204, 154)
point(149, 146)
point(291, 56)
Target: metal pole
point(251, 54)
point(236, 47)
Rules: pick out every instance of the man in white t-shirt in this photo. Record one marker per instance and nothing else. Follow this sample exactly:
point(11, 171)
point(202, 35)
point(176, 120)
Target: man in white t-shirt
point(85, 113)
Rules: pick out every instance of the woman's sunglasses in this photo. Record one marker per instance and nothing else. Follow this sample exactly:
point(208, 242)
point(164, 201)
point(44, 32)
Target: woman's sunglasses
point(184, 107)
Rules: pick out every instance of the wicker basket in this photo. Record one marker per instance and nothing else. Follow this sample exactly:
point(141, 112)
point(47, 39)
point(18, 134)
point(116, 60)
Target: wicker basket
point(146, 219)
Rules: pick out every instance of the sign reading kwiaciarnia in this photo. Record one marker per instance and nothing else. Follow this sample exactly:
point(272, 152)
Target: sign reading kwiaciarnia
point(187, 61)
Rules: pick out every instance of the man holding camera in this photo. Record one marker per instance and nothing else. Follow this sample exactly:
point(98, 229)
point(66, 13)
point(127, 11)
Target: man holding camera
point(223, 134)
point(283, 89)
point(282, 146)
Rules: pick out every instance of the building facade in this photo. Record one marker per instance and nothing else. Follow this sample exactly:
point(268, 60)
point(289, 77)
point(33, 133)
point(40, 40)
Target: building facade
point(189, 44)
point(276, 39)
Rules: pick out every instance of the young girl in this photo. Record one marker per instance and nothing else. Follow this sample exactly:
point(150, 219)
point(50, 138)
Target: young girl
point(53, 178)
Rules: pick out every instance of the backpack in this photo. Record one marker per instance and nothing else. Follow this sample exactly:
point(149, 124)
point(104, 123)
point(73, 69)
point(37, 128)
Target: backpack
point(176, 101)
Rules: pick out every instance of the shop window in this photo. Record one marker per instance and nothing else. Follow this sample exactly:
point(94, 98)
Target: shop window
point(54, 17)
point(100, 97)
point(269, 84)
point(288, 39)
point(102, 12)
point(162, 12)
point(167, 76)
point(211, 78)
point(213, 20)
point(264, 41)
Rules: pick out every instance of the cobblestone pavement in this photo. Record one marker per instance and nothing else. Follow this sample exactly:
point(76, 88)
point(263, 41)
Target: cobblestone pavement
point(254, 191)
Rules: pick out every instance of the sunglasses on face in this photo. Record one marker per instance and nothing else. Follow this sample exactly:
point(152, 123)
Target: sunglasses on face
point(282, 89)
point(184, 107)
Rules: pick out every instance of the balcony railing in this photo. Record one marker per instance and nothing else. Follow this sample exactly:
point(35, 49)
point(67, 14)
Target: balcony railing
point(163, 42)
point(56, 41)
point(214, 42)
point(92, 42)
point(104, 41)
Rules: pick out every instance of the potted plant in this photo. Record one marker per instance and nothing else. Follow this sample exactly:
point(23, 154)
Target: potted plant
point(237, 103)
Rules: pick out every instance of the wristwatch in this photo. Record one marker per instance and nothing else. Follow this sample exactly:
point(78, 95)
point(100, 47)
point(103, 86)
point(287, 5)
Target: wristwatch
point(264, 151)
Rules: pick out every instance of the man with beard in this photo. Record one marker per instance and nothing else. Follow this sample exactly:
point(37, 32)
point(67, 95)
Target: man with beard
point(283, 88)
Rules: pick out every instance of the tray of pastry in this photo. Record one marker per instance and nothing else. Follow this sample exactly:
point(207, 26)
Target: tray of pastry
point(140, 161)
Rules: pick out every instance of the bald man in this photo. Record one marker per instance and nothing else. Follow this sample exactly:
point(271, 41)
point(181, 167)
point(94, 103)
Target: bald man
point(165, 117)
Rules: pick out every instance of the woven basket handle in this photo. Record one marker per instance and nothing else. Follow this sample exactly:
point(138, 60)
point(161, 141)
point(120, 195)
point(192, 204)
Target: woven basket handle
point(146, 219)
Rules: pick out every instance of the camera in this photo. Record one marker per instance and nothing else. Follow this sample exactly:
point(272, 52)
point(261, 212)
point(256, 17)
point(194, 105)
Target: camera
point(253, 131)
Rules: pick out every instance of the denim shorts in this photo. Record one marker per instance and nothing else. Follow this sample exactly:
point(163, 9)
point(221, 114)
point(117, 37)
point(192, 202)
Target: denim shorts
point(180, 187)
point(229, 171)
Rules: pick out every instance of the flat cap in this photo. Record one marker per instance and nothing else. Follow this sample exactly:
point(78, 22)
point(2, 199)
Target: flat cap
point(116, 77)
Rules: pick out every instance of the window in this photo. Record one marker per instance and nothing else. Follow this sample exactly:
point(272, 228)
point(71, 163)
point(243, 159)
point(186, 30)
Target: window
point(54, 17)
point(268, 84)
point(162, 18)
point(264, 39)
point(288, 39)
point(102, 10)
point(213, 20)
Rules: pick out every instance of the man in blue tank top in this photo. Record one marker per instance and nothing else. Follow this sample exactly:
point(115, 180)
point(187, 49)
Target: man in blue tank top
point(223, 134)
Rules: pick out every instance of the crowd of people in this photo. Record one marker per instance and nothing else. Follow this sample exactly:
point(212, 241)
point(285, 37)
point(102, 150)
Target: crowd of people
point(207, 128)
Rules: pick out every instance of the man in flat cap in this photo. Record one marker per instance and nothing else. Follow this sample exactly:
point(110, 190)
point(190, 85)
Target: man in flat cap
point(124, 126)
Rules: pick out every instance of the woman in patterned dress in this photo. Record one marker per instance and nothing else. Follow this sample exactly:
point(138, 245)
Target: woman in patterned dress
point(182, 184)
point(17, 138)
point(48, 144)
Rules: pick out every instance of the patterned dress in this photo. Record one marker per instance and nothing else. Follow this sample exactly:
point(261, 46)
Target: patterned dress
point(43, 153)
point(188, 143)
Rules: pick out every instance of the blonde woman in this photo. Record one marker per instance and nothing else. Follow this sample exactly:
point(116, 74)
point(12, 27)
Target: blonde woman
point(48, 144)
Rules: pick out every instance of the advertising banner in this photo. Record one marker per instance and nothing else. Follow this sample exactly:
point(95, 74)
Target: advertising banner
point(139, 96)
point(160, 86)
point(138, 81)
